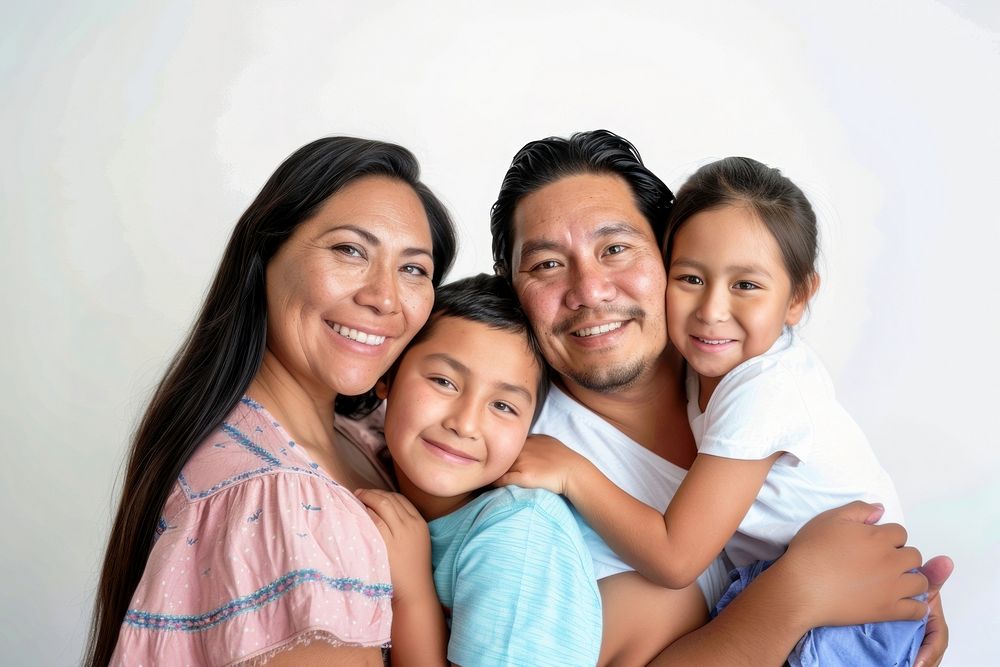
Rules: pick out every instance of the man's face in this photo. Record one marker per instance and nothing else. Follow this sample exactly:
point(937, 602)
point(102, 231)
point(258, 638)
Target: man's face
point(587, 269)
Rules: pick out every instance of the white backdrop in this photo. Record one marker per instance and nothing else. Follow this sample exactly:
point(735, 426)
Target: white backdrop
point(134, 134)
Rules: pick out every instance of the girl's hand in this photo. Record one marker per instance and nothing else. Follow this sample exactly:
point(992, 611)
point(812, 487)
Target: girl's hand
point(544, 463)
point(406, 538)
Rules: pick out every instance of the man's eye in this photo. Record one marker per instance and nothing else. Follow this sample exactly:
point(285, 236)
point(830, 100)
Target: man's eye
point(545, 265)
point(745, 285)
point(615, 249)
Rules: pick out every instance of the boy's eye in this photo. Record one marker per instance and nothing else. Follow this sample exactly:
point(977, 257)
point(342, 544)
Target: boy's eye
point(442, 382)
point(744, 285)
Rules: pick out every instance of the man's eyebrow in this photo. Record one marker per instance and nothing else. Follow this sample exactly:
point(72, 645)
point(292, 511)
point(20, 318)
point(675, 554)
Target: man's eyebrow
point(462, 369)
point(614, 229)
point(609, 229)
point(376, 241)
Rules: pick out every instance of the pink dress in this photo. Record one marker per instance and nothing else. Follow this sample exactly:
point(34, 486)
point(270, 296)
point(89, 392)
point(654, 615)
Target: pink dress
point(257, 550)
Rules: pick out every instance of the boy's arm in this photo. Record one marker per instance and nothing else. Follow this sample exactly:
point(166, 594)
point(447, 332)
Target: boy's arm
point(419, 633)
point(669, 549)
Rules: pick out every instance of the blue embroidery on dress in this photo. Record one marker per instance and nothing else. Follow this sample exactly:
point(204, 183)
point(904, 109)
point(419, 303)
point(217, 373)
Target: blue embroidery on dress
point(272, 592)
point(192, 541)
point(314, 508)
point(246, 400)
point(256, 515)
point(249, 445)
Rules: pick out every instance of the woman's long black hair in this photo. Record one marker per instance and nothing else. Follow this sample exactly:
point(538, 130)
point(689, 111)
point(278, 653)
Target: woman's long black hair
point(224, 350)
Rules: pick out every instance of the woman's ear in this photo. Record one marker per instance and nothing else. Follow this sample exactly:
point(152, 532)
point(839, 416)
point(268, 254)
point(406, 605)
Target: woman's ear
point(800, 301)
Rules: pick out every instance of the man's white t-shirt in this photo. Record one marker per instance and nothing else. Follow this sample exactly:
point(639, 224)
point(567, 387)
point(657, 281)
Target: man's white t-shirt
point(638, 471)
point(784, 401)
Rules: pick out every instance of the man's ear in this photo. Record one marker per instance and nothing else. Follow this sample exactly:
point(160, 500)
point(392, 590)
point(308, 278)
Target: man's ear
point(799, 302)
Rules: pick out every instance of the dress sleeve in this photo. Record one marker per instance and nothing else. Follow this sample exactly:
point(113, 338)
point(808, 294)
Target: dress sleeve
point(525, 592)
point(258, 567)
point(754, 415)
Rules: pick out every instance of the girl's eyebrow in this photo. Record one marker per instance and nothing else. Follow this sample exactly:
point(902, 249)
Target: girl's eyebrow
point(465, 371)
point(684, 262)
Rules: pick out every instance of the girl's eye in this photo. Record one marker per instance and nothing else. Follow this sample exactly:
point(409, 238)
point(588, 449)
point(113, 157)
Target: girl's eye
point(745, 285)
point(415, 270)
point(691, 280)
point(503, 406)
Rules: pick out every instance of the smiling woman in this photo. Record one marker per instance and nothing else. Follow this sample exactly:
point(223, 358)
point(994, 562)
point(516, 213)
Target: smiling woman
point(235, 539)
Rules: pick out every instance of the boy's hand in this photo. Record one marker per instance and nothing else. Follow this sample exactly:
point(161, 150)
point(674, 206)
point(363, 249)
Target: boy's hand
point(544, 463)
point(406, 538)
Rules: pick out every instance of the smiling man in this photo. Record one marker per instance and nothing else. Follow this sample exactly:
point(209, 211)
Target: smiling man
point(577, 229)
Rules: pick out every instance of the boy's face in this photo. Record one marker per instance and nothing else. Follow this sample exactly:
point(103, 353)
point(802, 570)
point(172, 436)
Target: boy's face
point(459, 408)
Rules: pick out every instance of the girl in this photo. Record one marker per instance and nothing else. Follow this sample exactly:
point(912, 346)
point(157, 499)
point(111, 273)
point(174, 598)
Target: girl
point(774, 446)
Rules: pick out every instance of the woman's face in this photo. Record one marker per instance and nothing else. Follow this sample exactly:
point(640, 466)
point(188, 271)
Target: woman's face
point(350, 287)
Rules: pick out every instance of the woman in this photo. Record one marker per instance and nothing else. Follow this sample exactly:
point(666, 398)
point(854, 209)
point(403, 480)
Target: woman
point(237, 537)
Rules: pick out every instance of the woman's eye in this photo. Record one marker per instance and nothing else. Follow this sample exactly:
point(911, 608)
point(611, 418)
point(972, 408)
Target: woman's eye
point(415, 270)
point(745, 285)
point(349, 250)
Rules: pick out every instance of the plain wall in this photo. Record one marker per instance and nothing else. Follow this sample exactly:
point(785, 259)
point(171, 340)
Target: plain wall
point(134, 134)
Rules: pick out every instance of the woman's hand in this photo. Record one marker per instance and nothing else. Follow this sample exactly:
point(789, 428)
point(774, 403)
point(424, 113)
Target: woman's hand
point(544, 463)
point(406, 539)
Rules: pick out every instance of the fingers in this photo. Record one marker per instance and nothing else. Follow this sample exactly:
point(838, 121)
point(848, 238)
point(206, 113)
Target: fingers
point(937, 570)
point(392, 509)
point(936, 633)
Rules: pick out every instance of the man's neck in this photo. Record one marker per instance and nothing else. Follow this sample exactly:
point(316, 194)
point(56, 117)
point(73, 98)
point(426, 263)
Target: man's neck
point(652, 411)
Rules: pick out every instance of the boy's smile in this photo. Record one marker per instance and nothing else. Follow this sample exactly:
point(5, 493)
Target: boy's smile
point(459, 408)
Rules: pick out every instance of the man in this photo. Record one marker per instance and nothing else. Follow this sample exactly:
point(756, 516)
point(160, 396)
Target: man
point(577, 229)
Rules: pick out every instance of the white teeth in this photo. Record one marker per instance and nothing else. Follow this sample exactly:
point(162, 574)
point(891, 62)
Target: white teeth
point(713, 342)
point(360, 336)
point(593, 331)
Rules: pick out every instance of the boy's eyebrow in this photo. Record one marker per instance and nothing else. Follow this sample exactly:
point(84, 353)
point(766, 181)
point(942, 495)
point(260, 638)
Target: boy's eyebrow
point(462, 369)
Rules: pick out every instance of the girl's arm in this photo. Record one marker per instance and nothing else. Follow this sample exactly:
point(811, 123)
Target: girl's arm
point(419, 633)
point(671, 549)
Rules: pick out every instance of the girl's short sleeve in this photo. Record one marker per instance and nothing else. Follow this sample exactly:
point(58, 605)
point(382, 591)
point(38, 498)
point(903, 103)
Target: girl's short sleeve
point(257, 567)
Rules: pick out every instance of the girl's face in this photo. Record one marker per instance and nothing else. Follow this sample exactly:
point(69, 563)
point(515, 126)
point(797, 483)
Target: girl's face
point(728, 293)
point(458, 411)
point(350, 287)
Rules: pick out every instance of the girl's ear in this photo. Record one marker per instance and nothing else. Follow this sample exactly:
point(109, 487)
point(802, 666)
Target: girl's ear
point(797, 307)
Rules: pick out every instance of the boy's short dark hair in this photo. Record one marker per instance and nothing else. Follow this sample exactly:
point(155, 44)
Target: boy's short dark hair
point(489, 300)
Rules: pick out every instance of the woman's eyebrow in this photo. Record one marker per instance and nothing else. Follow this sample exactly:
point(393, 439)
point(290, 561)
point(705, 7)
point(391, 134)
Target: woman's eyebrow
point(376, 241)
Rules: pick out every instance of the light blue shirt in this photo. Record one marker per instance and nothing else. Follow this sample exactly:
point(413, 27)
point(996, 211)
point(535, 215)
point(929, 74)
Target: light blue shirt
point(513, 570)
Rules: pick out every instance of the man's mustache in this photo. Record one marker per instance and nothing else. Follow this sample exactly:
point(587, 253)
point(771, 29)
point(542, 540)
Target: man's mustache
point(581, 317)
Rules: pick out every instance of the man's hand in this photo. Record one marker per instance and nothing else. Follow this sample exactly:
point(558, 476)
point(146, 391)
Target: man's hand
point(544, 463)
point(937, 570)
